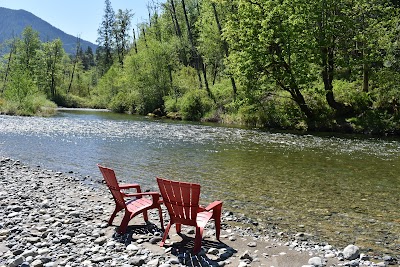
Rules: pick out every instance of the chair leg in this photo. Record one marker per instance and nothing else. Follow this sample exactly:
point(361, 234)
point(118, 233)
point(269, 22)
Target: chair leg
point(124, 223)
point(178, 227)
point(197, 239)
point(165, 234)
point(217, 220)
point(161, 218)
point(116, 210)
point(145, 216)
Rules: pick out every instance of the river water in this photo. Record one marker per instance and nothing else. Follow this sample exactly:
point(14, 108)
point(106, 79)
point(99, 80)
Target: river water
point(343, 190)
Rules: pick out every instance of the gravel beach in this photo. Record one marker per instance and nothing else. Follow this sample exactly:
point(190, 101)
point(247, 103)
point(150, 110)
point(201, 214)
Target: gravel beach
point(51, 218)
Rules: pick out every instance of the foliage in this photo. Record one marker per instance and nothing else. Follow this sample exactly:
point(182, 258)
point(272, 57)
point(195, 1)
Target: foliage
point(195, 104)
point(33, 69)
point(105, 38)
point(36, 104)
point(303, 65)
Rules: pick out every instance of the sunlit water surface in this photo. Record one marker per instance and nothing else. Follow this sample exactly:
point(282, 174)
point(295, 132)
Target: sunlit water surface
point(342, 190)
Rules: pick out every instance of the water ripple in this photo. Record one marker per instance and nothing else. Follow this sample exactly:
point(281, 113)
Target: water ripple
point(68, 129)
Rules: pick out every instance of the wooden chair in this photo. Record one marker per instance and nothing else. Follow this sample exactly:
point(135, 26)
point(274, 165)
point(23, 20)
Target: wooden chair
point(182, 202)
point(134, 206)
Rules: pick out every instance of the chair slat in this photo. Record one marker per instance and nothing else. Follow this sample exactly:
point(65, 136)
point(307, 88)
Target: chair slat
point(182, 201)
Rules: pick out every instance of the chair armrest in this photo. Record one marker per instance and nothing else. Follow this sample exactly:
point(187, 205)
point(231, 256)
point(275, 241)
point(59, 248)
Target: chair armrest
point(128, 186)
point(154, 195)
point(142, 194)
point(213, 205)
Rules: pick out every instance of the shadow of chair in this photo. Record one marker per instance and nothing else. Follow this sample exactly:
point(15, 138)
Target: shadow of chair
point(186, 258)
point(132, 203)
point(182, 202)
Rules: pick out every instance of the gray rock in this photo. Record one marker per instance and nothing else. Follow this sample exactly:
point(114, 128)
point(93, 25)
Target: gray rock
point(4, 232)
point(246, 256)
point(132, 247)
point(137, 261)
point(252, 244)
point(315, 261)
point(351, 252)
point(153, 263)
point(155, 239)
point(100, 240)
point(37, 263)
point(16, 261)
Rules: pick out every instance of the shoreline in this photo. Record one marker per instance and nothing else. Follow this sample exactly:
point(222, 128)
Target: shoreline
point(53, 219)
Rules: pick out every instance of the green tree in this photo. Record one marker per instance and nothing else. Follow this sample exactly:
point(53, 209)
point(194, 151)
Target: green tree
point(49, 67)
point(121, 30)
point(105, 38)
point(27, 48)
point(211, 45)
point(270, 49)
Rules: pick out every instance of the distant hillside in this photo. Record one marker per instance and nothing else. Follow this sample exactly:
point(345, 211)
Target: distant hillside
point(13, 22)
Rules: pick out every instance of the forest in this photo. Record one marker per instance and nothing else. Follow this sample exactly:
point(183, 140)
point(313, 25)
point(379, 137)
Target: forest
point(318, 65)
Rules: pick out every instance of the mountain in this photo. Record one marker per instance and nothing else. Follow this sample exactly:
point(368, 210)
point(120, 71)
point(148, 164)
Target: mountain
point(13, 22)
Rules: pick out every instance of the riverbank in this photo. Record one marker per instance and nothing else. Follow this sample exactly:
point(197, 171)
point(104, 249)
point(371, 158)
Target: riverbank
point(54, 219)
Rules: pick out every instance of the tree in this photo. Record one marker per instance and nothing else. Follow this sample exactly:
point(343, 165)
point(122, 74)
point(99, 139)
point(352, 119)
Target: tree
point(211, 43)
point(13, 51)
point(105, 38)
point(27, 47)
point(49, 67)
point(88, 59)
point(270, 50)
point(121, 30)
point(74, 62)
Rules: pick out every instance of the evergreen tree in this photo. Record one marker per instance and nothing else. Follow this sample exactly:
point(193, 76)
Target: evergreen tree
point(121, 30)
point(105, 38)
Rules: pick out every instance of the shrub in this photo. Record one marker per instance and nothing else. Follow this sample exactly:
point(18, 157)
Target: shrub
point(194, 104)
point(119, 103)
point(171, 104)
point(351, 94)
point(31, 105)
point(70, 101)
point(39, 105)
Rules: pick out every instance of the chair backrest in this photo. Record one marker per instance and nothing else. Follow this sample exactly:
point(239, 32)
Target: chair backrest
point(112, 183)
point(181, 200)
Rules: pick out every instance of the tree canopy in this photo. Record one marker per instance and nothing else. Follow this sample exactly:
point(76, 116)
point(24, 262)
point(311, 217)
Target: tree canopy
point(307, 65)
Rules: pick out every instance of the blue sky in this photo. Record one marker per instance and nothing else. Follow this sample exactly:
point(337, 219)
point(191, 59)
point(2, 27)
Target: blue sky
point(81, 17)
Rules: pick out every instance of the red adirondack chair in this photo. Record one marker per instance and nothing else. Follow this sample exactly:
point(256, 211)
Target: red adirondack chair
point(134, 206)
point(182, 202)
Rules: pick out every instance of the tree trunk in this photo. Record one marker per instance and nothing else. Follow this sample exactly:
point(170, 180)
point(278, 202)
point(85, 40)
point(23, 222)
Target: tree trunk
point(12, 51)
point(194, 53)
point(172, 19)
point(203, 65)
point(53, 74)
point(178, 33)
point(214, 72)
point(225, 47)
point(178, 28)
point(327, 77)
point(134, 41)
point(78, 44)
point(144, 36)
point(365, 71)
point(365, 77)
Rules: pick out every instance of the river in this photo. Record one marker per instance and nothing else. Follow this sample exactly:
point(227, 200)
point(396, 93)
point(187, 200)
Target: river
point(342, 190)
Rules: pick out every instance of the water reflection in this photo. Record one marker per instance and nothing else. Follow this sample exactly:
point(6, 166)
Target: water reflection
point(341, 189)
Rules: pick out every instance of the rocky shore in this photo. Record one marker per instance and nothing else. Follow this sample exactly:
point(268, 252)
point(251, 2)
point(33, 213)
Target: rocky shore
point(54, 219)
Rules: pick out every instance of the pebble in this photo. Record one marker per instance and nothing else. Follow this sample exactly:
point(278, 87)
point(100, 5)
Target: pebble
point(351, 252)
point(315, 261)
point(57, 220)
